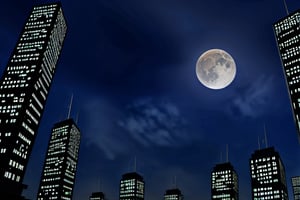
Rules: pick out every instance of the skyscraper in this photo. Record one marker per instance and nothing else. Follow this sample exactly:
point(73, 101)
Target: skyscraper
point(97, 196)
point(24, 88)
point(267, 175)
point(224, 182)
point(287, 34)
point(296, 187)
point(132, 187)
point(58, 176)
point(173, 194)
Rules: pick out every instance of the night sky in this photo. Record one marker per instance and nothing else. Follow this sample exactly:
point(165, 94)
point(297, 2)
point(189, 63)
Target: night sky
point(131, 67)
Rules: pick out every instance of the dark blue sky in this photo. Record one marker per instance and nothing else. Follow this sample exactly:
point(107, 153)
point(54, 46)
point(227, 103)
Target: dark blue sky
point(131, 67)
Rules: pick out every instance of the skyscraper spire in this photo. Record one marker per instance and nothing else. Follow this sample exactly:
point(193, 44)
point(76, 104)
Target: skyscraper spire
point(227, 160)
point(134, 163)
point(286, 8)
point(70, 107)
point(77, 118)
point(266, 139)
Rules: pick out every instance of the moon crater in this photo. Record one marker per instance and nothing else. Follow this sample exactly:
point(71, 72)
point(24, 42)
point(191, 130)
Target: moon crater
point(215, 69)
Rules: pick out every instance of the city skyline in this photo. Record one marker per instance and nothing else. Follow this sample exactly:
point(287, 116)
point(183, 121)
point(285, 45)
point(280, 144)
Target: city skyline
point(131, 67)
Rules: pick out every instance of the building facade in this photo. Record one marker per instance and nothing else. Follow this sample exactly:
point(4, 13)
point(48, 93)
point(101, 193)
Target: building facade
point(58, 176)
point(296, 187)
point(267, 175)
point(287, 35)
point(24, 88)
point(97, 196)
point(132, 187)
point(224, 182)
point(173, 194)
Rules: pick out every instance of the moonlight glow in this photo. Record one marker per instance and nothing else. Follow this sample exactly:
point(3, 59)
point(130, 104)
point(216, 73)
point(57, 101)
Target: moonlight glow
point(215, 69)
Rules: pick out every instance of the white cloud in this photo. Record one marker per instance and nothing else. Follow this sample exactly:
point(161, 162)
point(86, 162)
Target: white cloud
point(101, 118)
point(253, 101)
point(154, 122)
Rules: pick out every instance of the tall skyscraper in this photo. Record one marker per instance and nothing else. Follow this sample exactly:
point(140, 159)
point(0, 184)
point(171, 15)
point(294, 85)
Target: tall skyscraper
point(24, 88)
point(173, 194)
point(296, 187)
point(287, 34)
point(224, 182)
point(58, 176)
point(97, 196)
point(132, 187)
point(267, 175)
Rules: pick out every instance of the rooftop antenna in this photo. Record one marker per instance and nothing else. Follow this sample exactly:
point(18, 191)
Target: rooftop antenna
point(134, 163)
point(77, 116)
point(221, 157)
point(227, 153)
point(70, 107)
point(266, 139)
point(286, 8)
point(258, 142)
point(175, 181)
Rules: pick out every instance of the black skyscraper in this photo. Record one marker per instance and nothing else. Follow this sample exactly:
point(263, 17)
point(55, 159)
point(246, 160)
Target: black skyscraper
point(296, 187)
point(224, 182)
point(24, 88)
point(287, 34)
point(267, 175)
point(132, 187)
point(173, 194)
point(58, 178)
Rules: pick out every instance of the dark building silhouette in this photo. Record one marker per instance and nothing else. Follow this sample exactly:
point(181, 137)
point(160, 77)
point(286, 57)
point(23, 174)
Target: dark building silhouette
point(296, 187)
point(58, 176)
point(267, 175)
point(173, 194)
point(24, 88)
point(97, 196)
point(132, 187)
point(224, 182)
point(287, 35)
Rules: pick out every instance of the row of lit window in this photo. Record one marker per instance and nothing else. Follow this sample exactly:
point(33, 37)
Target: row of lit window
point(287, 23)
point(22, 154)
point(58, 140)
point(288, 42)
point(14, 86)
point(11, 176)
point(40, 84)
point(25, 139)
point(35, 109)
point(16, 165)
point(295, 68)
point(31, 117)
point(49, 186)
point(34, 27)
point(290, 54)
point(44, 8)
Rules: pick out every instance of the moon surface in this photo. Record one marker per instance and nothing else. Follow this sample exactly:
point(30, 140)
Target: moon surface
point(215, 69)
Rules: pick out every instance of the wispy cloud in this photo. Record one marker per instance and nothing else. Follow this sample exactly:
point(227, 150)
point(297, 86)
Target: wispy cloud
point(154, 122)
point(252, 102)
point(101, 118)
point(146, 121)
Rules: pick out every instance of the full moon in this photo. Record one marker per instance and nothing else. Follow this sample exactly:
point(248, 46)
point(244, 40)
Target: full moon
point(215, 69)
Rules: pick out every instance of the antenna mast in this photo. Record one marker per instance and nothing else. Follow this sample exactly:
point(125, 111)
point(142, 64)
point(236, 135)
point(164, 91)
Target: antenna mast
point(77, 116)
point(227, 153)
point(221, 157)
point(266, 139)
point(70, 107)
point(286, 8)
point(134, 163)
point(258, 142)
